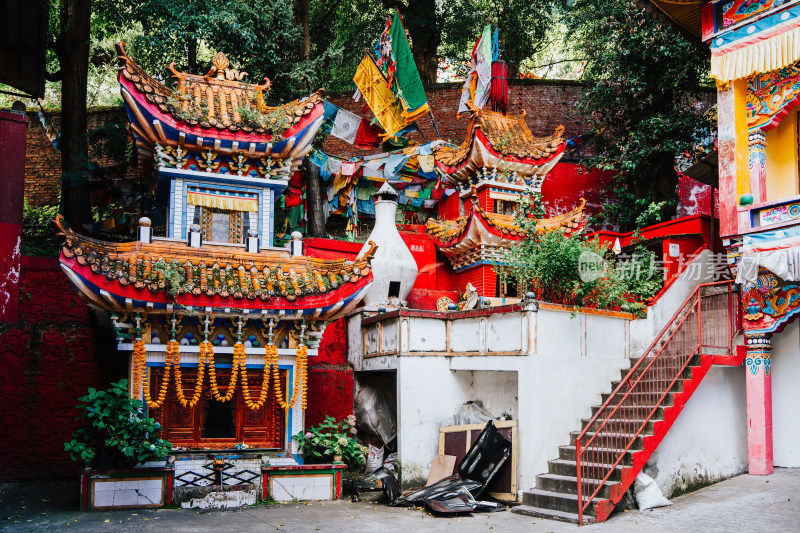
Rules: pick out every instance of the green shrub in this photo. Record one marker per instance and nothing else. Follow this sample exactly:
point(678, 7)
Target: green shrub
point(577, 272)
point(112, 424)
point(320, 443)
point(39, 236)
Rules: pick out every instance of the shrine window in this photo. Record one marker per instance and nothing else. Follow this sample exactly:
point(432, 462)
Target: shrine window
point(219, 420)
point(505, 207)
point(221, 225)
point(506, 288)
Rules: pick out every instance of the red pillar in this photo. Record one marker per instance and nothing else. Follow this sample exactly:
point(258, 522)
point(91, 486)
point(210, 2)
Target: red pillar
point(12, 185)
point(759, 403)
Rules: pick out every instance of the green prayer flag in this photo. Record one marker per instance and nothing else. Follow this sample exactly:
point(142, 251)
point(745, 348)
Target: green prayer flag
point(408, 85)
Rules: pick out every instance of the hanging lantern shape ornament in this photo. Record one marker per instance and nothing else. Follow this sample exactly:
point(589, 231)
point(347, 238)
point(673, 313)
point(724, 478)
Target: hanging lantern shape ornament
point(393, 267)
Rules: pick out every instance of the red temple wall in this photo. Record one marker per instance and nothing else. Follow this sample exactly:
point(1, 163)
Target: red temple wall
point(330, 378)
point(48, 361)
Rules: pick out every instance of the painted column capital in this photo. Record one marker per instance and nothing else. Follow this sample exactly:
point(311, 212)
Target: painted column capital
point(757, 138)
point(759, 352)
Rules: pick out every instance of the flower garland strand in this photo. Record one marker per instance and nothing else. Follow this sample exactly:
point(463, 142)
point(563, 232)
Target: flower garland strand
point(162, 393)
point(238, 360)
point(298, 390)
point(139, 363)
point(270, 352)
point(304, 367)
point(201, 367)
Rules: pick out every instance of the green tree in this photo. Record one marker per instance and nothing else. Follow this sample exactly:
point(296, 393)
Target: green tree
point(263, 38)
point(523, 27)
point(644, 82)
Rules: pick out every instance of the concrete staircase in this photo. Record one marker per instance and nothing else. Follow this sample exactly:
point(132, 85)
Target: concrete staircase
point(632, 421)
point(555, 496)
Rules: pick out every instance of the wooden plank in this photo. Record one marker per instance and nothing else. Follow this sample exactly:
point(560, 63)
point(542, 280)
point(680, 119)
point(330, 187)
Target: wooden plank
point(441, 467)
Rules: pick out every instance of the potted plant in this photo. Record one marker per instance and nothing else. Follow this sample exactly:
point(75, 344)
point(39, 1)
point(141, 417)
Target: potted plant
point(332, 438)
point(113, 437)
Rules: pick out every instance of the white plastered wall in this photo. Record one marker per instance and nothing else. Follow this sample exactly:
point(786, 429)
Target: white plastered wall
point(785, 373)
point(575, 362)
point(708, 441)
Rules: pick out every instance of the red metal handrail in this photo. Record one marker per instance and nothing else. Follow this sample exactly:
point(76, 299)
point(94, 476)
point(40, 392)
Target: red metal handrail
point(708, 319)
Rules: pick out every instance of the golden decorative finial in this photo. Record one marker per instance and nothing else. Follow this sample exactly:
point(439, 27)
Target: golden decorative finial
point(221, 62)
point(220, 68)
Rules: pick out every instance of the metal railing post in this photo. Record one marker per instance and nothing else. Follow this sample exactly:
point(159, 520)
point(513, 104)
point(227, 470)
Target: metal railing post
point(578, 468)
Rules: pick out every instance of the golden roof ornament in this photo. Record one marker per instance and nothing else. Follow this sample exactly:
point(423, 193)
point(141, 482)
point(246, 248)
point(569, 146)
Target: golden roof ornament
point(220, 68)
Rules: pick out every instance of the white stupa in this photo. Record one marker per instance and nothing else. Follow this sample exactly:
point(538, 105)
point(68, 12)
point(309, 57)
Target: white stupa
point(394, 269)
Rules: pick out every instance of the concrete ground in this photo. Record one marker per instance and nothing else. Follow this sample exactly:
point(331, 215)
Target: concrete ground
point(743, 504)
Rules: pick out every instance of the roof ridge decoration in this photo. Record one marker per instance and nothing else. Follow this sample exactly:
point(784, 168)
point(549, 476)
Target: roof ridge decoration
point(225, 272)
point(501, 142)
point(219, 101)
point(448, 233)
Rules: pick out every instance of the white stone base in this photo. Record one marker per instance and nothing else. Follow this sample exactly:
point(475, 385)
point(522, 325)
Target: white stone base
point(109, 493)
point(223, 500)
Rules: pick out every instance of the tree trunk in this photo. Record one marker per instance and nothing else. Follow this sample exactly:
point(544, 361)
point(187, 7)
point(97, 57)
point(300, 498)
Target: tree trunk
point(75, 203)
point(422, 25)
point(316, 219)
point(302, 20)
point(191, 57)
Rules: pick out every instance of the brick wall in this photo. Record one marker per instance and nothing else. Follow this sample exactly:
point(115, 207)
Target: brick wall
point(43, 161)
point(483, 278)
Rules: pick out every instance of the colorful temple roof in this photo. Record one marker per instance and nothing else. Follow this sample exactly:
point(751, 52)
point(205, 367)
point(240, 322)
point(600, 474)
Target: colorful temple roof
point(479, 229)
point(225, 279)
point(502, 142)
point(216, 112)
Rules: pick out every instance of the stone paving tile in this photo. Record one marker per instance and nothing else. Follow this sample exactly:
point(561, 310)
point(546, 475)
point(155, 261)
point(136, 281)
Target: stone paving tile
point(743, 504)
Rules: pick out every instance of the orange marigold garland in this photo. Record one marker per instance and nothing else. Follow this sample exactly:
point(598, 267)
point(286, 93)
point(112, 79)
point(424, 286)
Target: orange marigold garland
point(270, 353)
point(139, 364)
point(303, 352)
point(201, 367)
point(162, 393)
point(300, 384)
point(238, 360)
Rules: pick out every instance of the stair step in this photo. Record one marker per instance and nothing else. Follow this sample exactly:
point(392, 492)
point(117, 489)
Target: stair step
point(569, 484)
point(556, 501)
point(644, 397)
point(622, 425)
point(551, 514)
point(610, 439)
point(629, 411)
point(566, 467)
point(567, 453)
point(652, 384)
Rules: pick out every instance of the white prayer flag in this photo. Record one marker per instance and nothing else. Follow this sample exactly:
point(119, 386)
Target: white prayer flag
point(345, 126)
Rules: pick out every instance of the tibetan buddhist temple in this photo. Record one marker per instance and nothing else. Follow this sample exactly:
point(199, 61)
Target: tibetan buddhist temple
point(499, 161)
point(217, 323)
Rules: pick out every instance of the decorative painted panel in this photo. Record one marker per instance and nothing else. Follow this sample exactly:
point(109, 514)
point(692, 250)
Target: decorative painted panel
point(770, 304)
point(779, 214)
point(735, 11)
point(771, 95)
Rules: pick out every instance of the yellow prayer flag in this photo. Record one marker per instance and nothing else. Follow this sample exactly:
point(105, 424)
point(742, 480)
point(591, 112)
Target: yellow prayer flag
point(379, 96)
